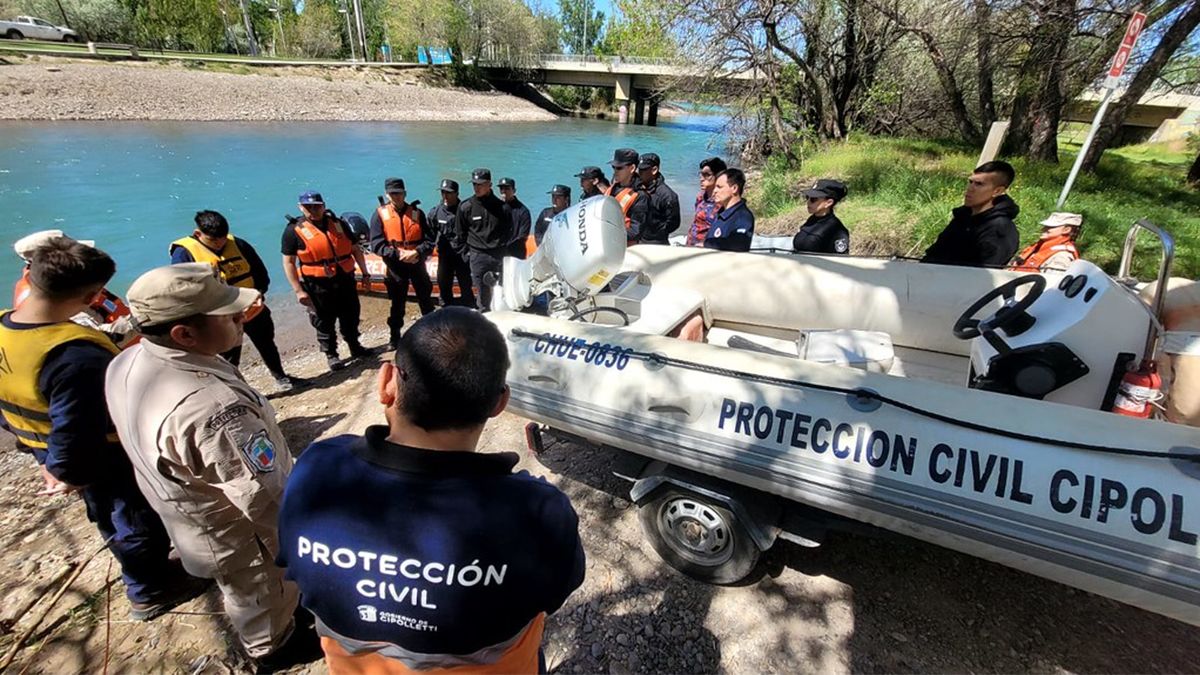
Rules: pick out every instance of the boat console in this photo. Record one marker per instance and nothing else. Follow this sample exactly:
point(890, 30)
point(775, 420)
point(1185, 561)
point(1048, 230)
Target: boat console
point(1067, 342)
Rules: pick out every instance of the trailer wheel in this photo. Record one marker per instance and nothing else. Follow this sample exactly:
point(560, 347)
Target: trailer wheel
point(698, 537)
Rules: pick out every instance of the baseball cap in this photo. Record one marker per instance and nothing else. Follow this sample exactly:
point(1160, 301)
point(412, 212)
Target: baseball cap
point(623, 156)
point(449, 185)
point(648, 160)
point(481, 176)
point(311, 197)
point(590, 172)
point(1061, 218)
point(827, 188)
point(560, 190)
point(394, 185)
point(508, 182)
point(173, 292)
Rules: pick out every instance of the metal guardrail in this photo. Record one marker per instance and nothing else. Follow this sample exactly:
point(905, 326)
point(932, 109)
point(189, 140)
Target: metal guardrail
point(121, 51)
point(528, 61)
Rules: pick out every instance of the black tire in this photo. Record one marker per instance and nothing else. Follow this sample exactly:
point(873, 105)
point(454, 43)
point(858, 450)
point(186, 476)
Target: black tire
point(70, 38)
point(699, 537)
point(14, 34)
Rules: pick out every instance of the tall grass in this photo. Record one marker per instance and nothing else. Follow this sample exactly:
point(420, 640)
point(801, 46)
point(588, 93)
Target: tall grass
point(902, 191)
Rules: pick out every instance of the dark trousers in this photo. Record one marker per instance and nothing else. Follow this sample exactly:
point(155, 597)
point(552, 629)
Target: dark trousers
point(452, 266)
point(139, 542)
point(261, 331)
point(484, 261)
point(397, 280)
point(335, 302)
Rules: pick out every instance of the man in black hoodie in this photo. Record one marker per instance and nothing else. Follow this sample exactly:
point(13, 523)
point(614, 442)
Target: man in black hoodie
point(981, 232)
point(484, 224)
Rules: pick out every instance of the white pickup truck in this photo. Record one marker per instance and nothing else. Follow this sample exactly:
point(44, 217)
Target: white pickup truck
point(36, 29)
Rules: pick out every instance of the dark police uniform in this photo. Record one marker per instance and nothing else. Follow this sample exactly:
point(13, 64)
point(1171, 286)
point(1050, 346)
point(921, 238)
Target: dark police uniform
point(334, 296)
point(452, 252)
point(260, 329)
point(662, 209)
point(484, 224)
point(988, 238)
point(732, 230)
point(434, 559)
point(822, 234)
point(392, 230)
point(543, 223)
point(521, 225)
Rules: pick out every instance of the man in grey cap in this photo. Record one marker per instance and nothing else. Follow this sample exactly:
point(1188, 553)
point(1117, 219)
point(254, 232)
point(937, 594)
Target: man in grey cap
point(518, 213)
point(484, 224)
point(207, 452)
point(560, 199)
point(451, 249)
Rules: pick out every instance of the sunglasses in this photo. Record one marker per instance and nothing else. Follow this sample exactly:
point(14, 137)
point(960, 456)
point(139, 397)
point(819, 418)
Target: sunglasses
point(706, 174)
point(817, 199)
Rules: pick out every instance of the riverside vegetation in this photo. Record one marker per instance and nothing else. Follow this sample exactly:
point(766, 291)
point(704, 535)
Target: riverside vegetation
point(902, 190)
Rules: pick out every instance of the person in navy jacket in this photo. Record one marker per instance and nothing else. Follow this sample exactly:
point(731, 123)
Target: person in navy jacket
point(733, 228)
point(414, 550)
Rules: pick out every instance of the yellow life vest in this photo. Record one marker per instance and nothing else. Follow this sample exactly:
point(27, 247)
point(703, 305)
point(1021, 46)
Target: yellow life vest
point(230, 262)
point(22, 354)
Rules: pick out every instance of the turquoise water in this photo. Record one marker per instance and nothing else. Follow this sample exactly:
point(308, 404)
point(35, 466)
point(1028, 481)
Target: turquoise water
point(133, 187)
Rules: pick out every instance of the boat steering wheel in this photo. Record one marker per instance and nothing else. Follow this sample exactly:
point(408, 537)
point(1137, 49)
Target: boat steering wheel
point(1012, 313)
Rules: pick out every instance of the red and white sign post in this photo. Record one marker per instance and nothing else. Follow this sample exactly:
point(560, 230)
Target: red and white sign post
point(1136, 23)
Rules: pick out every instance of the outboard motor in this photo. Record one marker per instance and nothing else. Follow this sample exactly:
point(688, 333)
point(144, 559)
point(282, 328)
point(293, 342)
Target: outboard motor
point(1069, 342)
point(582, 249)
point(362, 230)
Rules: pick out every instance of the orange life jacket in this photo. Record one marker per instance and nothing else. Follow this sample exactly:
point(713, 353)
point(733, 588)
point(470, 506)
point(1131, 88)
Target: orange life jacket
point(401, 231)
point(1037, 253)
point(625, 196)
point(530, 245)
point(105, 309)
point(325, 253)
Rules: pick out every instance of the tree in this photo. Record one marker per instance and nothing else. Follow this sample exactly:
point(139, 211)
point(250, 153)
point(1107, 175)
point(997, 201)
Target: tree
point(318, 32)
point(1181, 26)
point(582, 26)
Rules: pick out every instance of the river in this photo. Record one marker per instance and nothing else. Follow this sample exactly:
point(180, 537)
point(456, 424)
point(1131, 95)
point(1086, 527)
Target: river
point(133, 187)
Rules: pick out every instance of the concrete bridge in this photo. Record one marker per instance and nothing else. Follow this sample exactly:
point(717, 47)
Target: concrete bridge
point(1158, 116)
point(636, 81)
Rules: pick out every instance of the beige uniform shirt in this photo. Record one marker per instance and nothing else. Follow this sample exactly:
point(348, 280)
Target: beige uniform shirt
point(207, 452)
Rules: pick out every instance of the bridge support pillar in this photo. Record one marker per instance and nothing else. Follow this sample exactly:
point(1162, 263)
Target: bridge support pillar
point(624, 94)
point(639, 111)
point(652, 113)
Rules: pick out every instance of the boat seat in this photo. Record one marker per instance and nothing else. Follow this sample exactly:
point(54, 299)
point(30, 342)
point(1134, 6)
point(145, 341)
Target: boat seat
point(662, 310)
point(863, 349)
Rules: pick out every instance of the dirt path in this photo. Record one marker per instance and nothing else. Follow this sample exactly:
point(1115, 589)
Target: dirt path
point(41, 88)
point(855, 604)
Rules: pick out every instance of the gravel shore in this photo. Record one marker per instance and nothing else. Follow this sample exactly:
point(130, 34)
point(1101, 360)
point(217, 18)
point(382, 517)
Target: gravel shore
point(62, 89)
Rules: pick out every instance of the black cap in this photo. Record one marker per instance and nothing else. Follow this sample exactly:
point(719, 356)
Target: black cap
point(310, 197)
point(449, 185)
point(827, 188)
point(508, 182)
point(648, 160)
point(481, 176)
point(590, 172)
point(394, 185)
point(623, 156)
point(560, 190)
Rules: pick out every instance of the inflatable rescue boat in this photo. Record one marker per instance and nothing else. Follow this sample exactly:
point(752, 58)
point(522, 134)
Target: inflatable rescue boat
point(967, 407)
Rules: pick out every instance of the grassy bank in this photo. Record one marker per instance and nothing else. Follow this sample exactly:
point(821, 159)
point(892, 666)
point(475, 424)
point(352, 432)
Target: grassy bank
point(902, 190)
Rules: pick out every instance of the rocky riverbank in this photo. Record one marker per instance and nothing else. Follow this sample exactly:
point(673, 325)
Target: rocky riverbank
point(41, 88)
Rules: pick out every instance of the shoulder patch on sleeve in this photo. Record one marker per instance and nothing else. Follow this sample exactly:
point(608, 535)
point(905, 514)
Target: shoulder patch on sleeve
point(841, 246)
point(260, 452)
point(221, 419)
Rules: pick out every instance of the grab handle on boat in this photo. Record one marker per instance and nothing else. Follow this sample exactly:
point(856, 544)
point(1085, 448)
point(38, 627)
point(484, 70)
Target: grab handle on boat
point(546, 377)
point(681, 406)
point(1164, 272)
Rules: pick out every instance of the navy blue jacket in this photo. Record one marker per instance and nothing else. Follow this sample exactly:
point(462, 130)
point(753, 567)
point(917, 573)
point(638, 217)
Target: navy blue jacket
point(434, 552)
point(732, 229)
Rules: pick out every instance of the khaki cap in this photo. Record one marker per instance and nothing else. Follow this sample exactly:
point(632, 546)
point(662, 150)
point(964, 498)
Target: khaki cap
point(1061, 218)
point(174, 292)
point(25, 246)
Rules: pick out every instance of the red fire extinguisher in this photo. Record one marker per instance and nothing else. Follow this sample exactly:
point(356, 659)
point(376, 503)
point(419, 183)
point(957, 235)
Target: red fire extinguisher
point(1138, 389)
